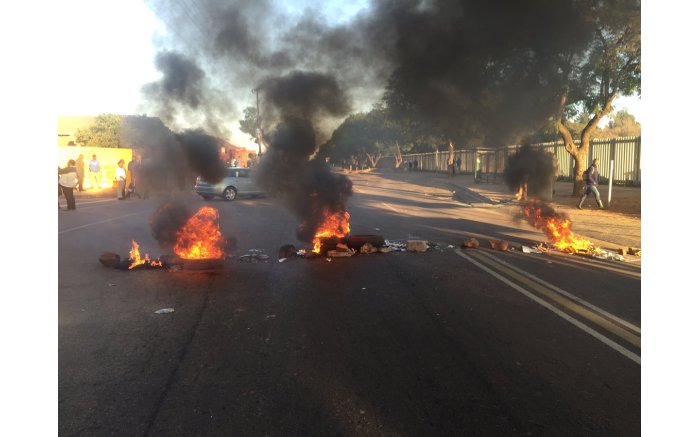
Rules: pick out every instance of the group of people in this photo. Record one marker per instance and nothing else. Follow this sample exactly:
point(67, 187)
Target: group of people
point(413, 165)
point(71, 177)
point(125, 191)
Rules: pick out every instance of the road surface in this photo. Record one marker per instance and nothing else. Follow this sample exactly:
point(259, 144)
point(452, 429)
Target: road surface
point(447, 342)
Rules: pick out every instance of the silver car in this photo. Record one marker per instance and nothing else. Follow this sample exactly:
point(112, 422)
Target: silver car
point(238, 182)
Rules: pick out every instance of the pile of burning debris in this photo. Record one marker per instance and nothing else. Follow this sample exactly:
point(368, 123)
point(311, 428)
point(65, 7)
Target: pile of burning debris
point(350, 245)
point(591, 250)
point(197, 245)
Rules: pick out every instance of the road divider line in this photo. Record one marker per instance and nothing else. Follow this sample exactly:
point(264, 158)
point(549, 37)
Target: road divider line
point(100, 222)
point(553, 287)
point(391, 208)
point(585, 328)
point(564, 302)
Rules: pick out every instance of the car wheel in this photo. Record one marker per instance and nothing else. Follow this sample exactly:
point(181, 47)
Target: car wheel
point(206, 196)
point(230, 193)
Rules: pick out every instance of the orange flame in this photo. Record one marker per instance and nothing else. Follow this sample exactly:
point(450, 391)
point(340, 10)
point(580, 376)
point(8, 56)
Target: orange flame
point(200, 238)
point(334, 225)
point(136, 260)
point(557, 229)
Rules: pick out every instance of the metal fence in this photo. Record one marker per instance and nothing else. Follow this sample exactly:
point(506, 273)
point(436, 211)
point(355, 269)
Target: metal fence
point(624, 152)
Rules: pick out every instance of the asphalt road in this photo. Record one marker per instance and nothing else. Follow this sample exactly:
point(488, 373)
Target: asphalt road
point(446, 342)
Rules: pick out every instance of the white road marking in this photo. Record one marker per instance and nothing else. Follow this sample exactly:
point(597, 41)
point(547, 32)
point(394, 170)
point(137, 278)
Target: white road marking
point(391, 208)
point(97, 201)
point(585, 328)
point(100, 222)
point(567, 294)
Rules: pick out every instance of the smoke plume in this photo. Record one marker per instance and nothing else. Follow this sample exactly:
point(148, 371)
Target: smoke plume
point(307, 184)
point(534, 167)
point(489, 70)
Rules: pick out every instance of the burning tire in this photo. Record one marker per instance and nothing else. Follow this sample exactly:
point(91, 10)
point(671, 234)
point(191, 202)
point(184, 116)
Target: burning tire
point(357, 241)
point(230, 193)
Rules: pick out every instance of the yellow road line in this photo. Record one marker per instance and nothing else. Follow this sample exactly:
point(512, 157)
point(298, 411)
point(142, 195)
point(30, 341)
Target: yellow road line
point(563, 301)
point(582, 326)
point(552, 287)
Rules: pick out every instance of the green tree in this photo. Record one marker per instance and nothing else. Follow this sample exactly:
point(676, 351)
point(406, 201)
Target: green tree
point(249, 124)
point(358, 136)
point(610, 67)
point(104, 132)
point(622, 124)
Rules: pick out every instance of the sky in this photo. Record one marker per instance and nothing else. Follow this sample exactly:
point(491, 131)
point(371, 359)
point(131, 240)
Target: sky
point(110, 56)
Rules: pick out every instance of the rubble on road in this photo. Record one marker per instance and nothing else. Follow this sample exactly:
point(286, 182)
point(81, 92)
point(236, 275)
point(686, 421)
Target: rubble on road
point(254, 256)
point(416, 245)
point(471, 243)
point(501, 245)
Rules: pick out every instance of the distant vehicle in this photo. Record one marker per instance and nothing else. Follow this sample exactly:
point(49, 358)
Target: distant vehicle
point(239, 182)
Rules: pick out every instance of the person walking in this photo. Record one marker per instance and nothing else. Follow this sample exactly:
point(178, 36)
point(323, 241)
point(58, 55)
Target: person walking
point(121, 179)
point(68, 180)
point(94, 167)
point(80, 168)
point(591, 178)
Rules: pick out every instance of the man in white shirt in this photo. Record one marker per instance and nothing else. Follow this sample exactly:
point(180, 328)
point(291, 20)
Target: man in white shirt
point(121, 179)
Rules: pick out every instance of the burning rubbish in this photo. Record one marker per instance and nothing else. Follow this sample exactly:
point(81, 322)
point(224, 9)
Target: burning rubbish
point(201, 238)
point(335, 225)
point(136, 260)
point(332, 247)
point(196, 241)
point(557, 228)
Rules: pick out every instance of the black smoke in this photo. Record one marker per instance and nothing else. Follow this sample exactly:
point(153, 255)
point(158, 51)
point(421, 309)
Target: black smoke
point(167, 221)
point(309, 187)
point(491, 70)
point(534, 167)
point(202, 153)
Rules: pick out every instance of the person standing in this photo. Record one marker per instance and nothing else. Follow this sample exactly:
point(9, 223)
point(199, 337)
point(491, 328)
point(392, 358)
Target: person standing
point(134, 169)
point(68, 180)
point(121, 179)
point(80, 168)
point(459, 164)
point(591, 178)
point(94, 167)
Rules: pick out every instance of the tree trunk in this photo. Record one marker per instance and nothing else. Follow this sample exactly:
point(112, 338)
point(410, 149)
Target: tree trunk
point(373, 160)
point(451, 160)
point(397, 156)
point(580, 152)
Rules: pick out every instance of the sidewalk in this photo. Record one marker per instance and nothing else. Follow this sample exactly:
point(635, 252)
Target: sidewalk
point(619, 224)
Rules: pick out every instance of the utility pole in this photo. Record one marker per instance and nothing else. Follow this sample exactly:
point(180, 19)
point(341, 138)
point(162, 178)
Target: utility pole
point(258, 129)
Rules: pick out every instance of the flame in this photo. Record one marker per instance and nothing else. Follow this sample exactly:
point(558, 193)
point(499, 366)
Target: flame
point(136, 260)
point(557, 228)
point(334, 225)
point(200, 238)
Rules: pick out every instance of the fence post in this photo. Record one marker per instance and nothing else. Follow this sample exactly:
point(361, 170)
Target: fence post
point(638, 160)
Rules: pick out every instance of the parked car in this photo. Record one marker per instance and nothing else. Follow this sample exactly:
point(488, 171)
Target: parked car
point(238, 182)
